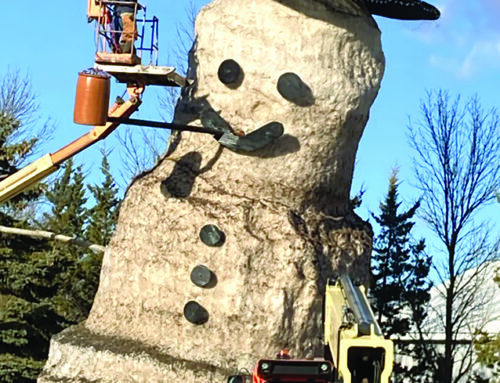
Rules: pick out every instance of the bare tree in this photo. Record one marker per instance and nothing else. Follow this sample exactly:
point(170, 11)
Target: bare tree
point(457, 168)
point(82, 243)
point(140, 150)
point(179, 57)
point(20, 123)
point(22, 130)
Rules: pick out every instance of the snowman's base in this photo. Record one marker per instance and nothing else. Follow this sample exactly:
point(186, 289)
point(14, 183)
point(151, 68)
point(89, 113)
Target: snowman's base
point(78, 355)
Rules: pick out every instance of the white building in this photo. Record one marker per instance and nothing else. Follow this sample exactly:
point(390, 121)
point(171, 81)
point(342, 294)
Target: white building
point(476, 308)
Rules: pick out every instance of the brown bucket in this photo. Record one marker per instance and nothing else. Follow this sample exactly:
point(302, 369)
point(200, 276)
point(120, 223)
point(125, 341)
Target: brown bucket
point(92, 98)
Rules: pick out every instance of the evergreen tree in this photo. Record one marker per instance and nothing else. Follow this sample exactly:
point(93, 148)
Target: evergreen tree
point(68, 216)
point(101, 226)
point(104, 215)
point(27, 319)
point(44, 286)
point(67, 197)
point(38, 297)
point(400, 289)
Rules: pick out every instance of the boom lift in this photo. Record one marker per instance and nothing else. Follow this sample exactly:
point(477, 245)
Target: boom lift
point(136, 76)
point(48, 164)
point(353, 337)
point(127, 68)
point(355, 349)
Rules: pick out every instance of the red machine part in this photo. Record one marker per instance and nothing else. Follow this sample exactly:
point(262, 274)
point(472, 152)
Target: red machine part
point(287, 370)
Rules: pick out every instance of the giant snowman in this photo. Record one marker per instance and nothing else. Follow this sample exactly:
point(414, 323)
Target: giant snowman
point(221, 254)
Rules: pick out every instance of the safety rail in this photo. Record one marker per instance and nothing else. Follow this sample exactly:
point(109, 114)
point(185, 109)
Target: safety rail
point(108, 34)
point(153, 43)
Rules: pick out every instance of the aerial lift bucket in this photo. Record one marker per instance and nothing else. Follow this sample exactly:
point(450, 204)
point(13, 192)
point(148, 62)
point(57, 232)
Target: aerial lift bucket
point(92, 98)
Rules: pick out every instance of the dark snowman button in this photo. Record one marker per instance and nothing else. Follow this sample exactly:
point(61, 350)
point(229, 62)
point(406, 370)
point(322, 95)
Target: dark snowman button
point(201, 276)
point(195, 313)
point(229, 72)
point(211, 235)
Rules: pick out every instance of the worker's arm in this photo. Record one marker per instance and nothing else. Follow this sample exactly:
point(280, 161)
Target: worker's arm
point(41, 168)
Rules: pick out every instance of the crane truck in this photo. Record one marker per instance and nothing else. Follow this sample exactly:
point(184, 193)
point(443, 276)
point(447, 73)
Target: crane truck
point(356, 351)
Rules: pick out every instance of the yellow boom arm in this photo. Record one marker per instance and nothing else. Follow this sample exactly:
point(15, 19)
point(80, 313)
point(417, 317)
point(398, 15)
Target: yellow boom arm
point(41, 168)
point(356, 343)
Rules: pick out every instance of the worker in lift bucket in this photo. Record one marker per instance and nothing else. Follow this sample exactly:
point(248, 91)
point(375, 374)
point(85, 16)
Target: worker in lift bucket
point(124, 24)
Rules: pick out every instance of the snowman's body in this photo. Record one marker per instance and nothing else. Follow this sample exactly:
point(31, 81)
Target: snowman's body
point(283, 210)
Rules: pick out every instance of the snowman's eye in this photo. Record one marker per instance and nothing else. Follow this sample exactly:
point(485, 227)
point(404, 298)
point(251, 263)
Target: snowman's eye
point(230, 73)
point(293, 89)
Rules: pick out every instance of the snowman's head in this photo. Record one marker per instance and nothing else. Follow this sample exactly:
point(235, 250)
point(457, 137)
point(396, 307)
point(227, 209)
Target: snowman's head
point(311, 69)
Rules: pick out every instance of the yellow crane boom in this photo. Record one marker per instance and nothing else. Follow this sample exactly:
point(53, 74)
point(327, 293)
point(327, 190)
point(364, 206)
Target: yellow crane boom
point(359, 350)
point(36, 171)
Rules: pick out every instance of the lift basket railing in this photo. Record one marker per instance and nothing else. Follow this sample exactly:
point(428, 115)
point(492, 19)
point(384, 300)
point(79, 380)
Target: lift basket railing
point(108, 36)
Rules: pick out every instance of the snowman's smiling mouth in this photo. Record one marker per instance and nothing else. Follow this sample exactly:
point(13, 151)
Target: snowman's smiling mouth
point(253, 141)
point(289, 85)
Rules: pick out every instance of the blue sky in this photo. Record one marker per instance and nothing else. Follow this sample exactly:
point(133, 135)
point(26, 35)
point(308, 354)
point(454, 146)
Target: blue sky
point(51, 41)
point(460, 53)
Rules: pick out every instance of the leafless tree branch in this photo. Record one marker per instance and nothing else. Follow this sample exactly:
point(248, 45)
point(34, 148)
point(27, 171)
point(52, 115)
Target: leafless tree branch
point(53, 237)
point(457, 165)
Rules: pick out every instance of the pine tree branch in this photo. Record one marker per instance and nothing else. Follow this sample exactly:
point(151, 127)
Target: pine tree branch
point(54, 237)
